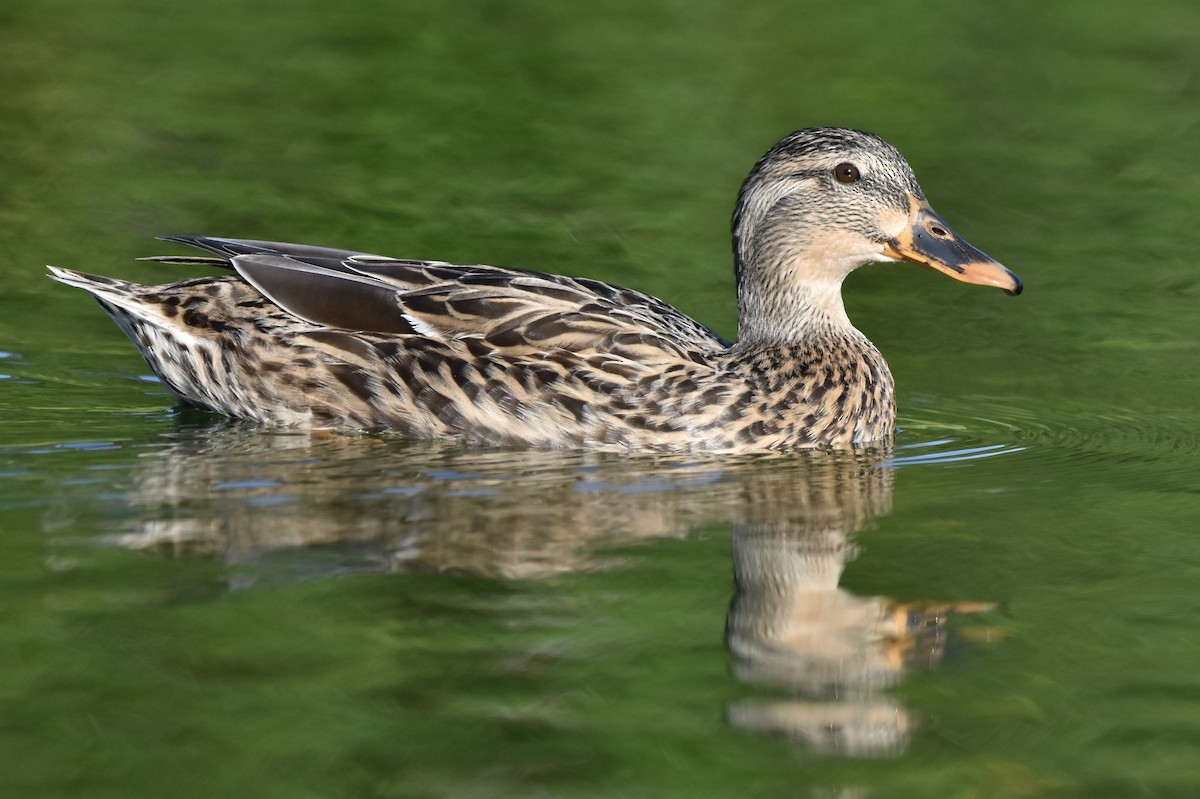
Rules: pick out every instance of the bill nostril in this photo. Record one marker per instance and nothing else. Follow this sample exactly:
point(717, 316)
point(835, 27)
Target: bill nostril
point(940, 232)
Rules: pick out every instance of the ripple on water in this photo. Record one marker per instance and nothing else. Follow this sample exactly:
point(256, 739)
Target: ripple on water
point(1061, 433)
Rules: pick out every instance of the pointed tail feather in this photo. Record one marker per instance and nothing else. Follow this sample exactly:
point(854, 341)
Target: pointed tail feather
point(96, 284)
point(121, 298)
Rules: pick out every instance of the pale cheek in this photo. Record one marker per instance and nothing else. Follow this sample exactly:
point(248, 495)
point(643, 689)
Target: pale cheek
point(837, 252)
point(892, 222)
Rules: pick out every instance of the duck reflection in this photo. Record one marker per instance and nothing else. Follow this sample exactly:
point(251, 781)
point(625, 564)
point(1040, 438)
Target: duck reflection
point(826, 655)
point(242, 494)
point(790, 626)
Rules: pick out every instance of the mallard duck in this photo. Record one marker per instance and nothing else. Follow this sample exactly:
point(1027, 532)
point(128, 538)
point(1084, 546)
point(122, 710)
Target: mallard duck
point(314, 337)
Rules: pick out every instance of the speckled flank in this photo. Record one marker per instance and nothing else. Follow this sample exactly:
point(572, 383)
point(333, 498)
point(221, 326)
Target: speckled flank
point(314, 337)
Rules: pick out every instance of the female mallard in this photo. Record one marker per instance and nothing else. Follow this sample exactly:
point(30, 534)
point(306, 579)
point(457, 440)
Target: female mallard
point(321, 338)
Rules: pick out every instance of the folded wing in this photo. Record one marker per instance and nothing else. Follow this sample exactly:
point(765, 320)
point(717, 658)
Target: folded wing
point(512, 310)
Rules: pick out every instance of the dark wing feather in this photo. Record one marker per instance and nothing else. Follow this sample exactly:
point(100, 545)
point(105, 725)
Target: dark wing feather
point(232, 247)
point(324, 297)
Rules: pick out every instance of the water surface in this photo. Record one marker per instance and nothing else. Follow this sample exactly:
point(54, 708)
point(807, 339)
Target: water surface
point(1002, 605)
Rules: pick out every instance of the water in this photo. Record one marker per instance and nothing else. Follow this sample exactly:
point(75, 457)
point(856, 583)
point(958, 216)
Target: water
point(1002, 606)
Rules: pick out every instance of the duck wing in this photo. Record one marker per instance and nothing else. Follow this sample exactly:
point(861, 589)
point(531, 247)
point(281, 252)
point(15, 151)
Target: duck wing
point(512, 310)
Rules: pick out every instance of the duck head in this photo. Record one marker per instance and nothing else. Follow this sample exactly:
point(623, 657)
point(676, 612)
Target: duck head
point(821, 203)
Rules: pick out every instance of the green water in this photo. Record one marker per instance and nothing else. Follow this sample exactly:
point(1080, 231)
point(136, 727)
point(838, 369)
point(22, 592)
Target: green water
point(1003, 607)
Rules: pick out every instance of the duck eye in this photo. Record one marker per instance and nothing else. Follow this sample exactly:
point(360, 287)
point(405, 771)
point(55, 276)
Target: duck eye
point(846, 173)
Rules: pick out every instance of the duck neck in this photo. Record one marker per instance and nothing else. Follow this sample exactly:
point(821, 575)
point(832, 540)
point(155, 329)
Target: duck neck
point(777, 308)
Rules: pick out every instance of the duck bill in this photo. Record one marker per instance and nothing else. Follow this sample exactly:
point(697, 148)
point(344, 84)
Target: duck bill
point(929, 241)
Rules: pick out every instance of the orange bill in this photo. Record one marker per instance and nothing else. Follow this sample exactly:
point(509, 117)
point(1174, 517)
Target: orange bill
point(929, 241)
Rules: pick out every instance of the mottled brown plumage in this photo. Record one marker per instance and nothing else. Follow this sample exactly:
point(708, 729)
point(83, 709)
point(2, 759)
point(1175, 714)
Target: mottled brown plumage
point(320, 338)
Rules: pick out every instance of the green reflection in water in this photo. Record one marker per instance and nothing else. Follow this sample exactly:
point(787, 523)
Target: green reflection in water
point(606, 142)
